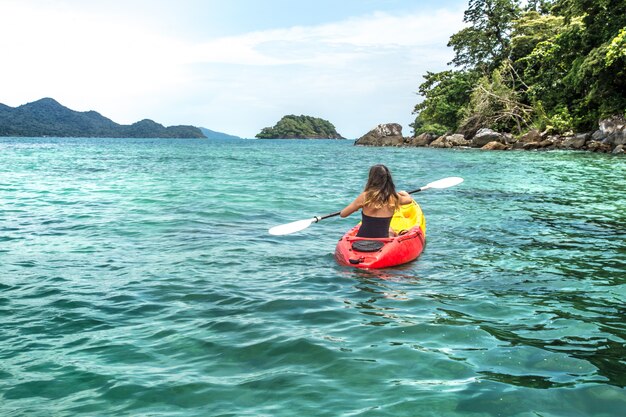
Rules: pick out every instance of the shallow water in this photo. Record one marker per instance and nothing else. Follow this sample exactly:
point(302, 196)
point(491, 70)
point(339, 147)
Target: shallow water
point(137, 277)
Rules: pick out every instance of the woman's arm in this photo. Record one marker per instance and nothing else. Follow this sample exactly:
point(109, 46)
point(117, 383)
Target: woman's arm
point(405, 198)
point(354, 206)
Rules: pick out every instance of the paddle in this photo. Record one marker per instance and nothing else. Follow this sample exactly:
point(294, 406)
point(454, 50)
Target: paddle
point(285, 229)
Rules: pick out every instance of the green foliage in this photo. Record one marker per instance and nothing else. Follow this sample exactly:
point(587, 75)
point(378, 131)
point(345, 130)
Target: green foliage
point(485, 42)
point(420, 126)
point(557, 64)
point(446, 94)
point(617, 49)
point(559, 121)
point(300, 127)
point(495, 103)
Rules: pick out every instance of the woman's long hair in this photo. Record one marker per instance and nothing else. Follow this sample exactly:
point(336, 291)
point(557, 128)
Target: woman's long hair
point(380, 190)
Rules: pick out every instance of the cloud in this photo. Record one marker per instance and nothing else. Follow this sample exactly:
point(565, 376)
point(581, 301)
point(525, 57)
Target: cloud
point(356, 73)
point(335, 43)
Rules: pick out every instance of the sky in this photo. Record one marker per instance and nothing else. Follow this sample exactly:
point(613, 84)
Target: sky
point(233, 66)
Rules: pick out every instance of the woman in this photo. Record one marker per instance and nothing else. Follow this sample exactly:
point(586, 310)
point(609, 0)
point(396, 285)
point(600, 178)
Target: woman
point(378, 202)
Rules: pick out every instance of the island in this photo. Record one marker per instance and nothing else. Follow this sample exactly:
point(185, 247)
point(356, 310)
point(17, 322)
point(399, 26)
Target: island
point(300, 127)
point(47, 117)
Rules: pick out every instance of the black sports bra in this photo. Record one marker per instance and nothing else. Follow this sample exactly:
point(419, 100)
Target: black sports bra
point(374, 226)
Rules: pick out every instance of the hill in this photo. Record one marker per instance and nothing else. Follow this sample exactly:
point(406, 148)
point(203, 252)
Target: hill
point(300, 127)
point(46, 117)
point(211, 134)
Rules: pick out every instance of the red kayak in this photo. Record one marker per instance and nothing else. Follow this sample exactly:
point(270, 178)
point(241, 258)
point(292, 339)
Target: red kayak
point(361, 252)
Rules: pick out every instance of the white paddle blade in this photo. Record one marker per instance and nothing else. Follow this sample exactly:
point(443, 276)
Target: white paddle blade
point(444, 183)
point(293, 227)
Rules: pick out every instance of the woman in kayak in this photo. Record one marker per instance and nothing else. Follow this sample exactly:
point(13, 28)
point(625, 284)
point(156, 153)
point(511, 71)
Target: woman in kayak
point(377, 202)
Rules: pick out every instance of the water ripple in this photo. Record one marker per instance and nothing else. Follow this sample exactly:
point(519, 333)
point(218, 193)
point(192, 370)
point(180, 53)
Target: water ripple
point(138, 278)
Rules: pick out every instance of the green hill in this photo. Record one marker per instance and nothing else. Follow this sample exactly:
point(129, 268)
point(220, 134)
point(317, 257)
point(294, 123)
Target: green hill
point(46, 117)
point(300, 127)
point(211, 134)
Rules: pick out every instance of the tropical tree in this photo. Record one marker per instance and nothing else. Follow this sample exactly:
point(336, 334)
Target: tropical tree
point(485, 42)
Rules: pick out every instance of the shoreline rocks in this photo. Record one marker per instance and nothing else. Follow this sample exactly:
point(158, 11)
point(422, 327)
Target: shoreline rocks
point(609, 138)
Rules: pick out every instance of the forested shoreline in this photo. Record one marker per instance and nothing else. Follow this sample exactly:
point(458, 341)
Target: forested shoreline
point(552, 66)
point(300, 127)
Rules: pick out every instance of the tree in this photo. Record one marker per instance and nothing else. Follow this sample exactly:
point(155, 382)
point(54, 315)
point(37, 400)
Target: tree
point(558, 64)
point(485, 43)
point(292, 127)
point(495, 103)
point(446, 93)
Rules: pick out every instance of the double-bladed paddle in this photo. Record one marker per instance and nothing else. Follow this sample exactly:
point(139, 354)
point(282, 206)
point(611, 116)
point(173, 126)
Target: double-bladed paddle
point(288, 228)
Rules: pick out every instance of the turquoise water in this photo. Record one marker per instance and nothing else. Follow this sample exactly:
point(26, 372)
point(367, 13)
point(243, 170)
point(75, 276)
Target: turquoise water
point(137, 278)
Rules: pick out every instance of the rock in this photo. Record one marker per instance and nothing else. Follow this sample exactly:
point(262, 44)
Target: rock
point(495, 146)
point(531, 136)
point(575, 142)
point(614, 128)
point(619, 149)
point(509, 139)
point(598, 136)
point(424, 139)
point(450, 141)
point(530, 145)
point(595, 146)
point(546, 143)
point(617, 138)
point(388, 134)
point(612, 124)
point(458, 140)
point(440, 142)
point(484, 136)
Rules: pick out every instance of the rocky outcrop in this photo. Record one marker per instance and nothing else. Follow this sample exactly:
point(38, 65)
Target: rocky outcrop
point(424, 139)
point(609, 138)
point(495, 146)
point(388, 134)
point(485, 136)
point(576, 141)
point(450, 141)
point(614, 130)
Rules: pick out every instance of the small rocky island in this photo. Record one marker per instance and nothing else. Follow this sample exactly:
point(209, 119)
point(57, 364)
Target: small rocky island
point(300, 127)
point(47, 117)
point(610, 137)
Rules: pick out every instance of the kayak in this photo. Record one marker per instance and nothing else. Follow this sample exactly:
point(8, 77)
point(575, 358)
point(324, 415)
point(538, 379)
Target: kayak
point(409, 225)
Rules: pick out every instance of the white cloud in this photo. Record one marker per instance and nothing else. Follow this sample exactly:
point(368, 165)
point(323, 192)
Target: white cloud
point(355, 73)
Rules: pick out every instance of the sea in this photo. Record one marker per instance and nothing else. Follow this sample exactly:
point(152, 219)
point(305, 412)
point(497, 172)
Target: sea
point(138, 278)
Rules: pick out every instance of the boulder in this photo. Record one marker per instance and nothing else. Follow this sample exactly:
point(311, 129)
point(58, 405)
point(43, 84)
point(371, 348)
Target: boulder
point(619, 150)
point(617, 138)
point(424, 139)
point(530, 146)
point(450, 141)
point(495, 146)
point(595, 146)
point(484, 136)
point(598, 136)
point(531, 136)
point(549, 142)
point(614, 129)
point(575, 142)
point(388, 134)
point(612, 124)
point(509, 139)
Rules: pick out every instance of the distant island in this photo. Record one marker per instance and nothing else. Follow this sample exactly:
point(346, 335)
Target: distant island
point(46, 117)
point(212, 134)
point(300, 127)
